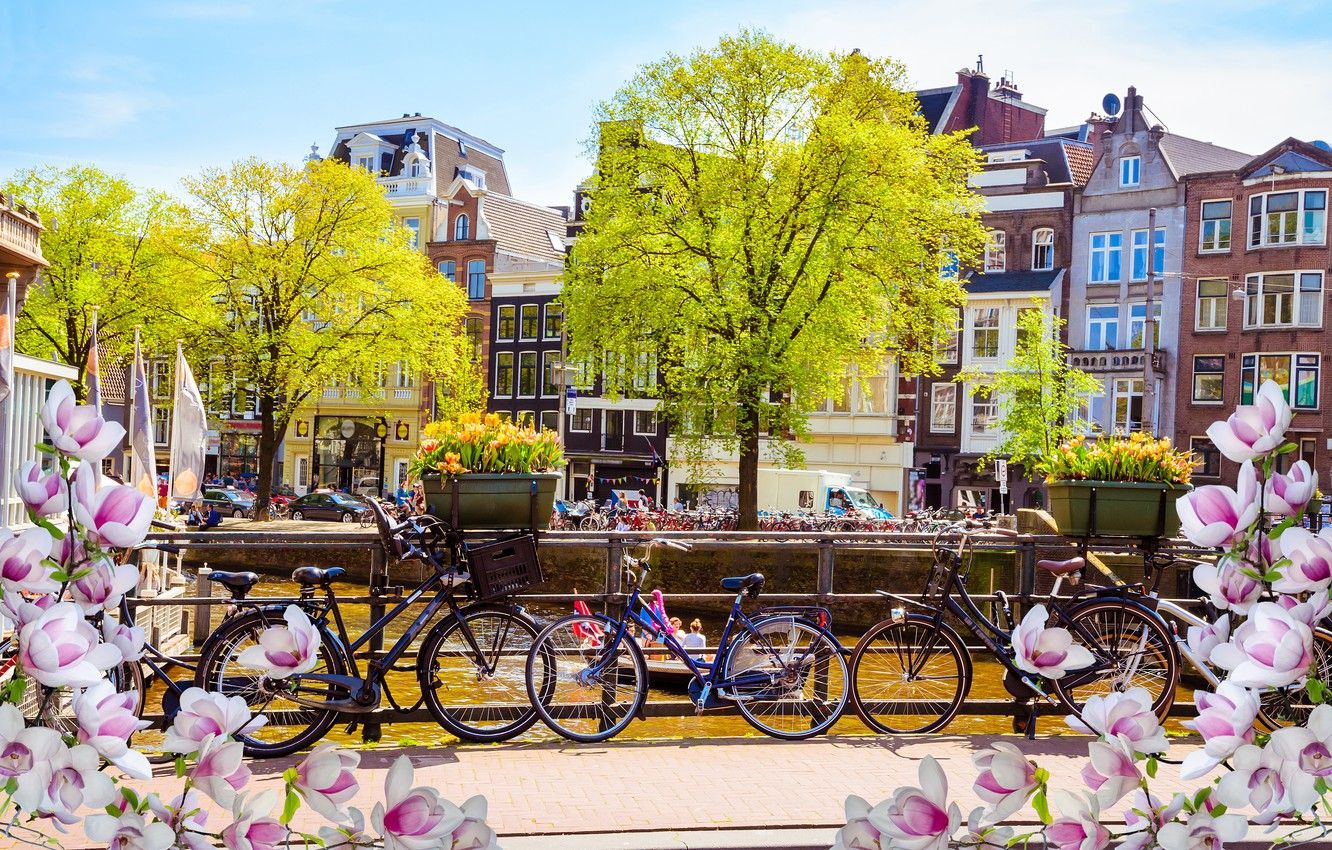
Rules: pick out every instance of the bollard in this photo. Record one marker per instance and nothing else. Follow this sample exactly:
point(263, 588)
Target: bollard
point(614, 572)
point(371, 729)
point(824, 579)
point(203, 626)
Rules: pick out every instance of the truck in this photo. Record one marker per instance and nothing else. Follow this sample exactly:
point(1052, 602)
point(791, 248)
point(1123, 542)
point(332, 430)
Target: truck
point(820, 491)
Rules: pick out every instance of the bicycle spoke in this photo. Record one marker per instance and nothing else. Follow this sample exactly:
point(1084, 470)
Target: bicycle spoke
point(589, 690)
point(907, 677)
point(480, 696)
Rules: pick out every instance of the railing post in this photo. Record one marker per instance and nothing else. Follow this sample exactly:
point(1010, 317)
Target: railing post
point(370, 729)
point(1027, 568)
point(614, 556)
point(824, 580)
point(202, 611)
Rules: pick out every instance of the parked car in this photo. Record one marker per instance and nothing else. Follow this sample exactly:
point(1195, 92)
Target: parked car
point(334, 507)
point(234, 503)
point(367, 487)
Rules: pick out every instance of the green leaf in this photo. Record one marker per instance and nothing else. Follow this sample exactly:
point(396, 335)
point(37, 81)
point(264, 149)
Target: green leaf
point(51, 528)
point(180, 766)
point(1320, 785)
point(1042, 807)
point(1218, 810)
point(14, 690)
point(290, 776)
point(1271, 576)
point(1152, 766)
point(45, 449)
point(113, 811)
point(1286, 449)
point(60, 575)
point(1317, 690)
point(130, 796)
point(289, 808)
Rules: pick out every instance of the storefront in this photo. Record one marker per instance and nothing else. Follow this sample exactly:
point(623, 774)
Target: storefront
point(238, 449)
point(348, 452)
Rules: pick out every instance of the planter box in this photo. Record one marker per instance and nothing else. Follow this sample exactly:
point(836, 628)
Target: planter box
point(493, 502)
point(1123, 508)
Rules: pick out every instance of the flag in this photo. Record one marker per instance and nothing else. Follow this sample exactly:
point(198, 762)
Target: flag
point(143, 462)
point(7, 341)
point(92, 373)
point(189, 433)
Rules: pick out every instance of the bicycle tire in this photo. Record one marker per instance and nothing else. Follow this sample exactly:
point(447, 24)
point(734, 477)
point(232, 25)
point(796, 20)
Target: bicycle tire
point(916, 652)
point(809, 686)
point(307, 725)
point(1115, 626)
point(1290, 706)
point(508, 682)
point(554, 685)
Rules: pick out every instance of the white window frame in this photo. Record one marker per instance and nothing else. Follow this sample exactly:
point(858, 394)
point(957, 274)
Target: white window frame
point(1210, 242)
point(1124, 388)
point(573, 420)
point(1102, 321)
point(1042, 238)
point(413, 223)
point(161, 425)
point(549, 358)
point(462, 227)
point(1137, 248)
point(996, 252)
point(991, 312)
point(452, 274)
point(499, 322)
point(1105, 253)
point(1300, 230)
point(545, 320)
point(1214, 308)
point(519, 330)
point(651, 433)
point(500, 357)
point(1255, 293)
point(943, 396)
point(982, 409)
point(1196, 374)
point(536, 377)
point(1130, 171)
point(470, 271)
point(1136, 324)
point(1294, 366)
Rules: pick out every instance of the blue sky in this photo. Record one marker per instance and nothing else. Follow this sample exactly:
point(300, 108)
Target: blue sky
point(156, 89)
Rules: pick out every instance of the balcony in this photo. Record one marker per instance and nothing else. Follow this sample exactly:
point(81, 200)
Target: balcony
point(380, 399)
point(20, 235)
point(408, 187)
point(1117, 362)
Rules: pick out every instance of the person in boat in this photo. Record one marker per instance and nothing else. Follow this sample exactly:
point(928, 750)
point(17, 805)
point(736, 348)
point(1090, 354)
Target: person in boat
point(694, 638)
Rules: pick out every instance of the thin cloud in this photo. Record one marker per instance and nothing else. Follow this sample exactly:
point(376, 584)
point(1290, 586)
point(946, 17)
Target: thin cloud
point(86, 115)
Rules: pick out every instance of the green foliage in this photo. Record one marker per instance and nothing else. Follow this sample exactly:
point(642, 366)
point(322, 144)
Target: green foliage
point(766, 221)
point(1039, 393)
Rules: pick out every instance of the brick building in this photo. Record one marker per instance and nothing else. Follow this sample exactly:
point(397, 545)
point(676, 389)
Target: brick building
point(1256, 259)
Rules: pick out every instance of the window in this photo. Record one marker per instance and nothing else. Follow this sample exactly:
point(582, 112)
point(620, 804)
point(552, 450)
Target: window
point(527, 374)
point(985, 332)
point(943, 408)
point(504, 374)
point(1214, 235)
point(946, 352)
point(1208, 378)
point(645, 422)
point(473, 326)
point(524, 417)
point(462, 227)
point(160, 383)
point(1213, 304)
point(984, 414)
point(504, 324)
point(1128, 404)
point(1207, 458)
point(1272, 300)
point(1042, 249)
point(404, 377)
point(1256, 369)
point(527, 328)
point(1137, 317)
point(1287, 218)
point(550, 420)
point(874, 393)
point(581, 421)
point(1105, 251)
point(449, 269)
point(948, 265)
point(1130, 171)
point(550, 387)
point(161, 425)
point(996, 252)
point(1140, 254)
point(554, 325)
point(366, 163)
point(414, 225)
point(476, 279)
point(1103, 327)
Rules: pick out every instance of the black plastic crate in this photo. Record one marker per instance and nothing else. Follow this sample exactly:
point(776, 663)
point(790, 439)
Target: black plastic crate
point(504, 567)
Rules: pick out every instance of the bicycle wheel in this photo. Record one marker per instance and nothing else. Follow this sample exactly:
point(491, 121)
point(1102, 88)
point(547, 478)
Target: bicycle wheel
point(582, 688)
point(1133, 649)
point(788, 678)
point(291, 725)
point(1291, 706)
point(466, 700)
point(909, 676)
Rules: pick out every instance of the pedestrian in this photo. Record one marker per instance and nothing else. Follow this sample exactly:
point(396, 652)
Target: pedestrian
point(677, 505)
point(402, 494)
point(694, 640)
point(644, 500)
point(418, 498)
point(162, 491)
point(197, 516)
point(213, 519)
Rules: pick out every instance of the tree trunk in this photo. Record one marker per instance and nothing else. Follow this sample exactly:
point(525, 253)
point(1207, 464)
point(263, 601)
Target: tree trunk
point(748, 428)
point(268, 443)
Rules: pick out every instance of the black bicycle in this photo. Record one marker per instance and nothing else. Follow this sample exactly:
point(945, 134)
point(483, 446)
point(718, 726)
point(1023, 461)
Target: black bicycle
point(470, 665)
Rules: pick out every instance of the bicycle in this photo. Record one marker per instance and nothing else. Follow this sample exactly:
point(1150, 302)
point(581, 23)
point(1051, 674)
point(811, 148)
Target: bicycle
point(469, 665)
point(784, 671)
point(911, 672)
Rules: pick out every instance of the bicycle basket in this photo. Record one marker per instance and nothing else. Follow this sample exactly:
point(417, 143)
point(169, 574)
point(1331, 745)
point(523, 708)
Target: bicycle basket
point(504, 567)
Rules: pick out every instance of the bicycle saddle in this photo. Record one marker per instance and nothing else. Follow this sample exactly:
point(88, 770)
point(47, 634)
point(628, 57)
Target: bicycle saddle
point(1062, 568)
point(743, 582)
point(310, 576)
point(238, 583)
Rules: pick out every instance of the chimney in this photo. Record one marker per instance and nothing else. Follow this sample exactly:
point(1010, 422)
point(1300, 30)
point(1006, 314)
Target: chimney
point(976, 86)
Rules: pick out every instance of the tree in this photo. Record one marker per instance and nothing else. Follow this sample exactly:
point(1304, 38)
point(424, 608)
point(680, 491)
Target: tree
point(104, 243)
point(766, 221)
point(1039, 393)
point(311, 279)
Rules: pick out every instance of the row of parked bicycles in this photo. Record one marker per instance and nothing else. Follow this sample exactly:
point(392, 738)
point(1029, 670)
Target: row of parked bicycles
point(588, 516)
point(488, 670)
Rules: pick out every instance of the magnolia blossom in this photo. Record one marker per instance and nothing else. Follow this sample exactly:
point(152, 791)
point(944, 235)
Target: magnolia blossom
point(474, 833)
point(919, 818)
point(1225, 722)
point(1227, 585)
point(1269, 649)
point(283, 652)
point(106, 721)
point(1046, 652)
point(23, 565)
point(1216, 515)
point(1286, 494)
point(220, 770)
point(1110, 770)
point(26, 756)
point(1302, 755)
point(859, 833)
point(251, 830)
point(326, 778)
point(1005, 780)
point(61, 648)
point(1079, 827)
point(1146, 815)
point(203, 714)
point(1203, 639)
point(1255, 429)
point(1254, 780)
point(1310, 557)
point(128, 639)
point(74, 778)
point(105, 584)
point(412, 818)
point(1311, 610)
point(1202, 832)
point(1125, 714)
point(45, 495)
point(128, 831)
point(980, 833)
point(77, 429)
point(186, 815)
point(352, 833)
point(115, 515)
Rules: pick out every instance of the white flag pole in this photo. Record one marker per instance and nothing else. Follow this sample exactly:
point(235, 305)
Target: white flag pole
point(128, 471)
point(7, 402)
point(175, 415)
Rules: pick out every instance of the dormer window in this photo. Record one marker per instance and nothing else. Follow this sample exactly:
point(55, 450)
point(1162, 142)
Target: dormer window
point(475, 176)
point(1130, 171)
point(461, 227)
point(416, 169)
point(366, 163)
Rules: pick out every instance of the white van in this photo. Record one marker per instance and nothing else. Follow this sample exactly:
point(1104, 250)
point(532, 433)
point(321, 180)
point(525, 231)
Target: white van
point(368, 487)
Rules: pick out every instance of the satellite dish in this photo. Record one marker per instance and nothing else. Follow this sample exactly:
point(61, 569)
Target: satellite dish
point(1110, 104)
point(1322, 145)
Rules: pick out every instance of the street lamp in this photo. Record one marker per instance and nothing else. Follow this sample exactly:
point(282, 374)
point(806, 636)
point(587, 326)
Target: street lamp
point(382, 432)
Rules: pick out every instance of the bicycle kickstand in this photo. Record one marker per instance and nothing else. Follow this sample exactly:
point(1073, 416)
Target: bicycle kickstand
point(1031, 719)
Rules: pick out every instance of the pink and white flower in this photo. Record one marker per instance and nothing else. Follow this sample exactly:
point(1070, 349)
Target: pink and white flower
point(412, 818)
point(283, 652)
point(919, 818)
point(128, 639)
point(1310, 557)
point(980, 833)
point(75, 779)
point(1310, 610)
point(60, 648)
point(474, 833)
point(77, 429)
point(1048, 652)
point(1202, 832)
point(203, 714)
point(1203, 639)
point(1006, 778)
point(1218, 516)
point(184, 815)
point(1225, 722)
point(1123, 714)
point(1255, 429)
point(115, 515)
point(1253, 780)
point(1269, 649)
point(1286, 494)
point(251, 827)
point(45, 495)
point(105, 584)
point(858, 833)
point(129, 831)
point(220, 770)
point(1145, 816)
point(1227, 585)
point(23, 562)
point(1110, 770)
point(1079, 827)
point(26, 756)
point(326, 778)
point(352, 833)
point(106, 721)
